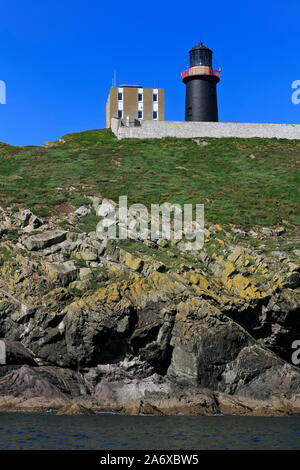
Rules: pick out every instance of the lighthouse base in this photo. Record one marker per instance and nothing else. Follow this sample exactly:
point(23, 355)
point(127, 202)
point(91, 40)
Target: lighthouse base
point(201, 99)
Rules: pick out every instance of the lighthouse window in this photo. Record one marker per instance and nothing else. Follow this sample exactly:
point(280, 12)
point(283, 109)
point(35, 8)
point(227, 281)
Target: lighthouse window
point(154, 114)
point(155, 97)
point(140, 114)
point(140, 97)
point(120, 113)
point(120, 96)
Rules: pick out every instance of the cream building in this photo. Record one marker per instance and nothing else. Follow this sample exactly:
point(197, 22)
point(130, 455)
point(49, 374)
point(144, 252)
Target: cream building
point(133, 102)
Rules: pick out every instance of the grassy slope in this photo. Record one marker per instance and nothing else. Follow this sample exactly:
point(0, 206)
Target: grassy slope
point(234, 187)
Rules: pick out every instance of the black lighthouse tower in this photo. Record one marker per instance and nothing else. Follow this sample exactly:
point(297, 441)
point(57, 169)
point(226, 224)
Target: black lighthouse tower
point(201, 86)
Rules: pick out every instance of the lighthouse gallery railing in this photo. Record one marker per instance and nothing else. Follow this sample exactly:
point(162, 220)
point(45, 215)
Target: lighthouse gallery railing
point(201, 70)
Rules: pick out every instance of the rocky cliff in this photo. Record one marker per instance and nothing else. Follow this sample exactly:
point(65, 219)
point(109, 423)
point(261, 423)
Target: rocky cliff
point(144, 326)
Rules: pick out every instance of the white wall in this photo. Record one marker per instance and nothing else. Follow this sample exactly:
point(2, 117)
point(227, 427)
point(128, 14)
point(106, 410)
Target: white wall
point(184, 129)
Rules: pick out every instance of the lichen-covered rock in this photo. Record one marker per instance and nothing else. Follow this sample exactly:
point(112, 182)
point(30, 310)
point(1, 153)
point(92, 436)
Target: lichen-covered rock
point(44, 240)
point(136, 264)
point(63, 273)
point(201, 331)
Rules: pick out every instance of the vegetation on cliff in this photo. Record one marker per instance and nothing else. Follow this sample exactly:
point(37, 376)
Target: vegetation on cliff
point(240, 181)
point(109, 322)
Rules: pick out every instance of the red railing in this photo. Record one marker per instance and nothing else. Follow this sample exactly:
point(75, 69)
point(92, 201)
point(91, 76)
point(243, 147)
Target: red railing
point(201, 70)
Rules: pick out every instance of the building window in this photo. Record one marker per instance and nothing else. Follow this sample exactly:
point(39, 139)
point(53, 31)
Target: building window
point(120, 113)
point(140, 114)
point(154, 97)
point(120, 96)
point(140, 96)
point(154, 114)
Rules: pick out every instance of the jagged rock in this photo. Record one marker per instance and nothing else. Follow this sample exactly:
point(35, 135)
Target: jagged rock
point(267, 231)
point(124, 381)
point(293, 267)
point(75, 237)
point(85, 274)
point(35, 222)
point(281, 255)
point(151, 337)
point(43, 240)
point(82, 211)
point(279, 231)
point(73, 219)
point(88, 252)
point(220, 318)
point(136, 264)
point(94, 336)
point(17, 353)
point(50, 382)
point(239, 231)
point(252, 234)
point(96, 202)
point(64, 273)
point(146, 408)
point(107, 208)
point(200, 142)
point(213, 352)
point(163, 243)
point(292, 280)
point(79, 285)
point(274, 232)
point(158, 266)
point(25, 217)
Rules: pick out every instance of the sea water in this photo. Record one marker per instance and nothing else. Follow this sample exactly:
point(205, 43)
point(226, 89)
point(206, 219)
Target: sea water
point(112, 431)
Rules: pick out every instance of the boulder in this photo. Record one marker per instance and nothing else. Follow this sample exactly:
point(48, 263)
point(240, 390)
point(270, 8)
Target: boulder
point(88, 252)
point(63, 273)
point(82, 211)
point(44, 240)
point(85, 274)
point(129, 260)
point(107, 209)
point(292, 280)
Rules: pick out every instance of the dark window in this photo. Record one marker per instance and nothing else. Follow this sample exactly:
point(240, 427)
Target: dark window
point(140, 114)
point(120, 113)
point(155, 97)
point(154, 114)
point(140, 96)
point(120, 96)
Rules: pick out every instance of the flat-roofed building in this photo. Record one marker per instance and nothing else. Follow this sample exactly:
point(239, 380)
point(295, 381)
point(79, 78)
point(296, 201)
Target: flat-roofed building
point(133, 102)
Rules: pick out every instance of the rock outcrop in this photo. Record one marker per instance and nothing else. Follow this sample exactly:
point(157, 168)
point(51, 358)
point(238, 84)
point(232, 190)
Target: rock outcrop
point(143, 326)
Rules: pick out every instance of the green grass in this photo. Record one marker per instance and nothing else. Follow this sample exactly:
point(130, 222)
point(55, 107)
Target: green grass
point(12, 235)
point(42, 212)
point(233, 187)
point(89, 223)
point(5, 255)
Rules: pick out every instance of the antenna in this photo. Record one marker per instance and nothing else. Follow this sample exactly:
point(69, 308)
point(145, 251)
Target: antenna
point(115, 78)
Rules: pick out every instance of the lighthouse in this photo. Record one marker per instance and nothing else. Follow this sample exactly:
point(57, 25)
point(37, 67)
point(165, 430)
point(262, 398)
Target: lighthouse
point(201, 86)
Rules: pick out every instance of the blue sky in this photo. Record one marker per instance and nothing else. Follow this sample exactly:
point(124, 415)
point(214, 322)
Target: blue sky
point(58, 58)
